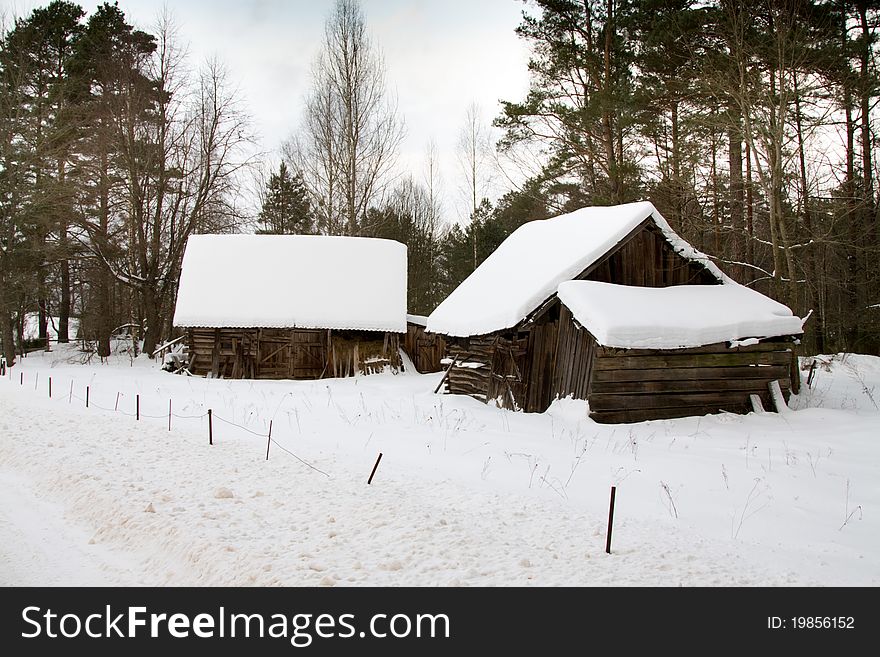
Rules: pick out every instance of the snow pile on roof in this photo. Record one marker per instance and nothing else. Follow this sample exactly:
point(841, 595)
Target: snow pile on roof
point(675, 317)
point(530, 264)
point(287, 281)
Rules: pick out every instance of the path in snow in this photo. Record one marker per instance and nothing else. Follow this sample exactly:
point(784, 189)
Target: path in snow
point(40, 547)
point(163, 508)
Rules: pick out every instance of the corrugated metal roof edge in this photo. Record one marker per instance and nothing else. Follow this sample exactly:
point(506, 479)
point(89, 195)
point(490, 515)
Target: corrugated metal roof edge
point(383, 329)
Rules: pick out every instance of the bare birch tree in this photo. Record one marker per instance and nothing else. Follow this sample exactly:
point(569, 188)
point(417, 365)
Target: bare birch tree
point(474, 157)
point(351, 130)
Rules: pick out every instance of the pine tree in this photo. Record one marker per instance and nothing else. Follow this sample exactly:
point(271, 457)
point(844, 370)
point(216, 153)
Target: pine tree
point(36, 136)
point(286, 208)
point(113, 97)
point(580, 102)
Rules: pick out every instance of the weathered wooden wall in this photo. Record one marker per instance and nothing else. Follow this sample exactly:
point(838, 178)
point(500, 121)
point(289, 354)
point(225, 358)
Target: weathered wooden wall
point(557, 359)
point(541, 363)
point(425, 350)
point(630, 385)
point(289, 353)
point(576, 351)
point(508, 368)
point(646, 259)
point(508, 374)
point(472, 372)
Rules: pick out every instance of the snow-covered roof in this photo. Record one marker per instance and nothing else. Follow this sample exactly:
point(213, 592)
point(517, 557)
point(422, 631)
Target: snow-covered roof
point(531, 263)
point(675, 317)
point(418, 320)
point(287, 281)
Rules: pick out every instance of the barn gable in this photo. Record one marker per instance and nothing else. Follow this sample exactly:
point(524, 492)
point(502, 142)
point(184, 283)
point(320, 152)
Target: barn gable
point(629, 244)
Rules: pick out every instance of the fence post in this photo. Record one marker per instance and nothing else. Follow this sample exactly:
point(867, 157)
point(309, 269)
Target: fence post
point(210, 428)
point(169, 415)
point(87, 396)
point(375, 467)
point(137, 407)
point(269, 442)
point(50, 387)
point(610, 520)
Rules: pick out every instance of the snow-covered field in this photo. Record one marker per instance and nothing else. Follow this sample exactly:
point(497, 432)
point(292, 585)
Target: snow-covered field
point(465, 494)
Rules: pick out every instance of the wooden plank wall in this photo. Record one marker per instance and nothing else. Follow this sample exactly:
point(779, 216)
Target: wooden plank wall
point(426, 350)
point(631, 385)
point(576, 350)
point(647, 260)
point(289, 353)
point(542, 364)
point(508, 376)
point(464, 379)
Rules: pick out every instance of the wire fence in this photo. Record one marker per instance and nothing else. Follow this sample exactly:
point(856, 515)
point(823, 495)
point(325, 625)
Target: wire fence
point(89, 402)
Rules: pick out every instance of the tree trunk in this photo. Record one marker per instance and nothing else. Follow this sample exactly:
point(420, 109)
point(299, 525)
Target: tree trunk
point(868, 218)
point(716, 219)
point(809, 253)
point(607, 119)
point(43, 312)
point(737, 193)
point(853, 220)
point(104, 321)
point(64, 308)
point(7, 330)
point(151, 319)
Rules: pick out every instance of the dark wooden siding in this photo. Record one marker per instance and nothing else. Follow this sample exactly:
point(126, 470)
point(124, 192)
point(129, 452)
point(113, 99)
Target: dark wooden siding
point(576, 350)
point(289, 353)
point(424, 349)
point(508, 371)
point(473, 358)
point(631, 385)
point(541, 359)
point(646, 259)
point(514, 370)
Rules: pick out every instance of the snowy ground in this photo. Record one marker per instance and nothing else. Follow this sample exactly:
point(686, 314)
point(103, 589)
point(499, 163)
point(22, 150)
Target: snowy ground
point(465, 494)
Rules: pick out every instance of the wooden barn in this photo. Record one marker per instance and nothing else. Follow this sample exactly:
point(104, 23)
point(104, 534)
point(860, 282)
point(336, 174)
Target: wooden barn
point(291, 306)
point(609, 305)
point(424, 349)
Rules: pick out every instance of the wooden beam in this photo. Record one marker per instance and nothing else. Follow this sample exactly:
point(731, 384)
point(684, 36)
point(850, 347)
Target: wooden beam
point(689, 373)
point(661, 360)
point(757, 406)
point(777, 397)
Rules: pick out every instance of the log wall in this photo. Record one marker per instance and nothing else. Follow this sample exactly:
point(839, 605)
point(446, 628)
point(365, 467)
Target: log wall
point(631, 385)
point(473, 365)
point(289, 353)
point(425, 350)
point(558, 359)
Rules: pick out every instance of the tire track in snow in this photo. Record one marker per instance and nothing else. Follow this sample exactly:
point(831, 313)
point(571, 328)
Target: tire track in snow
point(41, 547)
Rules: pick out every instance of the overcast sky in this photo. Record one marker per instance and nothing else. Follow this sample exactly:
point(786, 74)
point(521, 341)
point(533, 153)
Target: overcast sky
point(441, 55)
